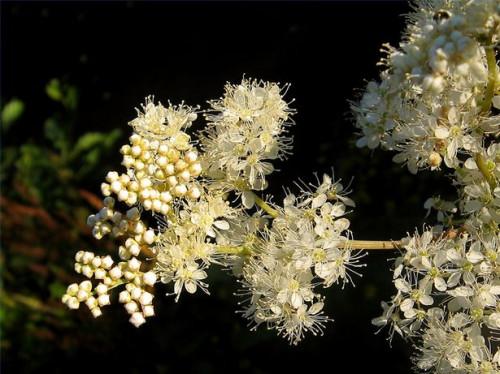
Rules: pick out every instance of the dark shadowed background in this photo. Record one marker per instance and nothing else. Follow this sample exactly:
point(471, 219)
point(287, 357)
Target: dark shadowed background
point(71, 75)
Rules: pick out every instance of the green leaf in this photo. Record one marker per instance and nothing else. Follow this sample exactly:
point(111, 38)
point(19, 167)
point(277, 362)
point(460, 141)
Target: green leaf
point(54, 90)
point(11, 112)
point(57, 289)
point(92, 140)
point(56, 134)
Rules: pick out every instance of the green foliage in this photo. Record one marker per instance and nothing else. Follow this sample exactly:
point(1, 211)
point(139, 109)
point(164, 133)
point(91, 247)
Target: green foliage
point(11, 112)
point(43, 212)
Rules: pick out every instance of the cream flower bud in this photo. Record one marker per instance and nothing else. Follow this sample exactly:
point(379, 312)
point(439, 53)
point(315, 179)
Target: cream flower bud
point(123, 195)
point(87, 257)
point(156, 205)
point(105, 189)
point(103, 300)
point(164, 208)
point(172, 181)
point(194, 193)
point(116, 186)
point(148, 310)
point(72, 289)
point(100, 273)
point(146, 298)
point(166, 197)
point(136, 293)
point(137, 319)
point(86, 285)
point(135, 249)
point(112, 176)
point(134, 264)
point(163, 149)
point(184, 176)
point(87, 271)
point(107, 262)
point(115, 273)
point(149, 278)
point(180, 165)
point(124, 297)
point(96, 312)
point(123, 252)
point(79, 256)
point(147, 204)
point(180, 190)
point(195, 169)
point(149, 236)
point(170, 169)
point(96, 262)
point(82, 295)
point(190, 157)
point(91, 302)
point(73, 303)
point(101, 289)
point(136, 150)
point(78, 267)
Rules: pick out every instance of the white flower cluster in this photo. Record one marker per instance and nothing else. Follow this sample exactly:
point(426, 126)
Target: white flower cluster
point(438, 101)
point(245, 132)
point(279, 254)
point(430, 102)
point(448, 300)
point(306, 246)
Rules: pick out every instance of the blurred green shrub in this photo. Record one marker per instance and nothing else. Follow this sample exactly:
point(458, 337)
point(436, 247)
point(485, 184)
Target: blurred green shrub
point(43, 212)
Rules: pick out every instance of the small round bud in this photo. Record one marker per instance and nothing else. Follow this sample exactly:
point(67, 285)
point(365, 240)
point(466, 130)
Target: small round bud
point(146, 298)
point(107, 262)
point(149, 236)
point(194, 193)
point(149, 278)
point(136, 293)
point(148, 310)
point(96, 262)
point(115, 273)
point(82, 295)
point(100, 274)
point(79, 256)
point(91, 302)
point(124, 297)
point(169, 169)
point(86, 285)
point(134, 264)
point(96, 312)
point(190, 157)
point(73, 303)
point(72, 289)
point(103, 300)
point(101, 289)
point(180, 190)
point(137, 319)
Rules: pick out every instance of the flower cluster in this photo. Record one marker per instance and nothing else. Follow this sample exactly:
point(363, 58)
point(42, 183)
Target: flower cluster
point(246, 130)
point(437, 102)
point(206, 212)
point(307, 245)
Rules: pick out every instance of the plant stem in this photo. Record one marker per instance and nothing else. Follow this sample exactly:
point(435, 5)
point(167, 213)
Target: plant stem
point(485, 170)
point(368, 245)
point(371, 245)
point(492, 75)
point(265, 207)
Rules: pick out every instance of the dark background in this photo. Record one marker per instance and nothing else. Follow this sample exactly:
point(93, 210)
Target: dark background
point(116, 53)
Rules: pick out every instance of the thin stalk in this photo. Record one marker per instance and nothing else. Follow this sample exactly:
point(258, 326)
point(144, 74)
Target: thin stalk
point(482, 165)
point(265, 207)
point(492, 75)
